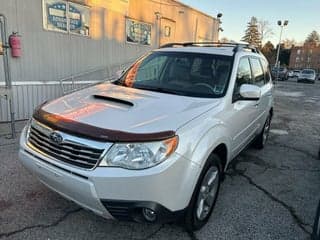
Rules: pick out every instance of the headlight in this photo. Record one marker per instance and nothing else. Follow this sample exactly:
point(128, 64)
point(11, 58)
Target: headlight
point(139, 155)
point(27, 127)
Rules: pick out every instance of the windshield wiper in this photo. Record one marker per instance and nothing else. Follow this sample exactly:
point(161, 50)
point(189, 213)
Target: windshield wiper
point(159, 89)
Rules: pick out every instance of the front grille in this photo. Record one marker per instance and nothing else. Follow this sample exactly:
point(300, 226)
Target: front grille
point(71, 150)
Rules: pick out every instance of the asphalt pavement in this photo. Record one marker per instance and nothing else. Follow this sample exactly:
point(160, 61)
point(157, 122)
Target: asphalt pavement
point(267, 194)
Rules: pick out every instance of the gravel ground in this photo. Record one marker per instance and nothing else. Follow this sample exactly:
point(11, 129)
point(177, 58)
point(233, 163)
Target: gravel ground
point(268, 194)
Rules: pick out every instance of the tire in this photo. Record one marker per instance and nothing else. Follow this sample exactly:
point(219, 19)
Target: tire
point(262, 138)
point(195, 218)
point(316, 225)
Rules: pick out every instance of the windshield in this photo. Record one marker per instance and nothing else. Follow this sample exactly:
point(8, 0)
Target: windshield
point(188, 74)
point(308, 72)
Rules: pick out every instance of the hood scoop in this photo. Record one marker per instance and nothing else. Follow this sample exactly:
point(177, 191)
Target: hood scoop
point(112, 99)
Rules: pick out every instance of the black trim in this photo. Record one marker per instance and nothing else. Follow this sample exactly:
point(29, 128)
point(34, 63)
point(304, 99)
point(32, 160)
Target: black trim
point(236, 46)
point(132, 211)
point(117, 100)
point(59, 122)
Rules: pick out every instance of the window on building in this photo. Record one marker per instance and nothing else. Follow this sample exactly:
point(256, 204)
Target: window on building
point(67, 17)
point(297, 59)
point(138, 32)
point(167, 31)
point(299, 51)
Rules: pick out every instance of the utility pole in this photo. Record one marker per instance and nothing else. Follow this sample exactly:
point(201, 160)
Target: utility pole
point(282, 25)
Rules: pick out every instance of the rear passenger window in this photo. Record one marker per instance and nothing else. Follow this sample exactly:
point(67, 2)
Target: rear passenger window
point(243, 76)
point(257, 71)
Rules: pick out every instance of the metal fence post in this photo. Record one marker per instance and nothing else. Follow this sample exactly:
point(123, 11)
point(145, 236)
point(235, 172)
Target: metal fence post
point(7, 72)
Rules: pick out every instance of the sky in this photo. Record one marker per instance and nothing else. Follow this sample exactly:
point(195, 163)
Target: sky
point(303, 16)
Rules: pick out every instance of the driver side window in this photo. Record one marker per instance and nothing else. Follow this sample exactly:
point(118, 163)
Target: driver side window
point(244, 76)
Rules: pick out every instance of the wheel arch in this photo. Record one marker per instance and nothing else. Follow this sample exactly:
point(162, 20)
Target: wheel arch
point(271, 112)
point(222, 152)
point(214, 141)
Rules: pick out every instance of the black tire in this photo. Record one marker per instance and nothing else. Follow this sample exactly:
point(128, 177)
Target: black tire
point(192, 221)
point(316, 225)
point(262, 138)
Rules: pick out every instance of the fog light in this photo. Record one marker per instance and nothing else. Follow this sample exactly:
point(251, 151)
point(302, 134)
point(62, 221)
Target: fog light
point(149, 214)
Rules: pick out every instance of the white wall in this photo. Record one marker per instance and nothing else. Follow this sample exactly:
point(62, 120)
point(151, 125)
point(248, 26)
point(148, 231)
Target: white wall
point(49, 56)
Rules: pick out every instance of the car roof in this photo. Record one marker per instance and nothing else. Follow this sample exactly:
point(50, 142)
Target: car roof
point(226, 51)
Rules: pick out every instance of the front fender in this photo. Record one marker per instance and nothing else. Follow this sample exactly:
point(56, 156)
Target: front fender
point(197, 141)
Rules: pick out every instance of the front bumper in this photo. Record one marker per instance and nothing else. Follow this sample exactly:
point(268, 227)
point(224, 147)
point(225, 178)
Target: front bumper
point(166, 188)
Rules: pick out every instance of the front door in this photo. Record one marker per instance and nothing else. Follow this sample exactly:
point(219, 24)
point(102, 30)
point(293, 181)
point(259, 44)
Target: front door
point(242, 122)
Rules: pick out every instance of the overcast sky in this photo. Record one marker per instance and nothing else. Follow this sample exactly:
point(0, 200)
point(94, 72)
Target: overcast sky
point(303, 15)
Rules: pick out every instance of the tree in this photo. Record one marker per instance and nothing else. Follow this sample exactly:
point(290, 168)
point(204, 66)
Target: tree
point(224, 40)
point(289, 43)
point(265, 30)
point(269, 52)
point(313, 38)
point(284, 57)
point(252, 35)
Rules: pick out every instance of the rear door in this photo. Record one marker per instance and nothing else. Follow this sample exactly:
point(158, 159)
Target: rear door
point(262, 78)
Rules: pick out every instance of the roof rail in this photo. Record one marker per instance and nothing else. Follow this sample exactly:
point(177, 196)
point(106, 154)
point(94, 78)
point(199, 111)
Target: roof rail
point(236, 46)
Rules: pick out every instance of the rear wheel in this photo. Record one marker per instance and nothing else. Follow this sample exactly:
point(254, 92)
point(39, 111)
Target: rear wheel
point(205, 195)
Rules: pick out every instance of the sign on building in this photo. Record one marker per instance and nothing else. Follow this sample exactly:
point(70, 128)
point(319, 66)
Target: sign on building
point(138, 32)
point(63, 16)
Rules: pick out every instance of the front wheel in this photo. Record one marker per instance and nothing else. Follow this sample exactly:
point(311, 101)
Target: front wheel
point(205, 195)
point(261, 140)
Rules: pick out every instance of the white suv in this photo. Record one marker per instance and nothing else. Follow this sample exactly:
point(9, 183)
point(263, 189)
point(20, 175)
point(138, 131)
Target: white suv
point(153, 145)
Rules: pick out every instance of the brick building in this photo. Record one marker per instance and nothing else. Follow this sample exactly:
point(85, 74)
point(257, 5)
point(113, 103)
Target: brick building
point(306, 56)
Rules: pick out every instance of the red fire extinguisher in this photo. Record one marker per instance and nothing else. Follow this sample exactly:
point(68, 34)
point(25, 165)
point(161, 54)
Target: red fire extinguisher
point(15, 44)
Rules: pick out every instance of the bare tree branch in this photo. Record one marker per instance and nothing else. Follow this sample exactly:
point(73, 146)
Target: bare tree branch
point(265, 30)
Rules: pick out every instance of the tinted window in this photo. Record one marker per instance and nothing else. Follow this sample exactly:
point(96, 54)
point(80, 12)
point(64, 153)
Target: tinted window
point(308, 72)
point(243, 76)
point(188, 74)
point(258, 73)
point(266, 70)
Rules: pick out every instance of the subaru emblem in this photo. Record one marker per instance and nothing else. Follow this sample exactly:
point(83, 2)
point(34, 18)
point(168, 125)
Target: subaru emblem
point(56, 138)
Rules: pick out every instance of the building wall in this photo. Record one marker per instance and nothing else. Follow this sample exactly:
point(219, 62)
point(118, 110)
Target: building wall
point(307, 56)
point(48, 56)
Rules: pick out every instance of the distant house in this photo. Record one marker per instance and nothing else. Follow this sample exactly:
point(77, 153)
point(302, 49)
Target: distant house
point(306, 56)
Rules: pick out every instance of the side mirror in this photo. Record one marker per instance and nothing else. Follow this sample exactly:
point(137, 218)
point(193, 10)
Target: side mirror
point(250, 92)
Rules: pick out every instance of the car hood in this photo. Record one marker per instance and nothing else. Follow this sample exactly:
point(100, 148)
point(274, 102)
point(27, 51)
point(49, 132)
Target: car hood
point(108, 106)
